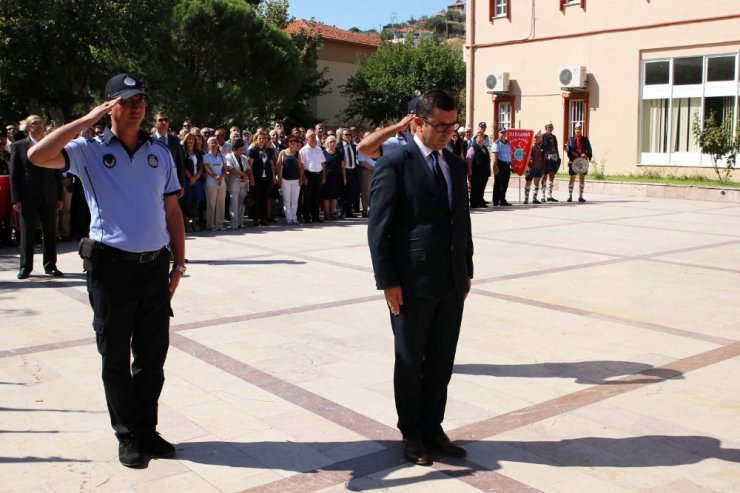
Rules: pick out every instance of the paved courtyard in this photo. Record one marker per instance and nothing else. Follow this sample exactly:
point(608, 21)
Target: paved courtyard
point(599, 352)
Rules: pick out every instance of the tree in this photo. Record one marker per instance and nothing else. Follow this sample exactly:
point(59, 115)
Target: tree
point(717, 140)
point(229, 64)
point(276, 12)
point(57, 54)
point(386, 81)
point(437, 24)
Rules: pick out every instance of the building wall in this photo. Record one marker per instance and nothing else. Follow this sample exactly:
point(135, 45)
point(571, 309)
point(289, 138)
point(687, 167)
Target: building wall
point(532, 46)
point(341, 59)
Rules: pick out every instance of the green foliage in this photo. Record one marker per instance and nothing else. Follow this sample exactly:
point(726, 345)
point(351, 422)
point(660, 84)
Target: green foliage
point(226, 43)
point(386, 81)
point(276, 12)
point(455, 16)
point(437, 24)
point(718, 141)
point(57, 54)
point(216, 61)
point(598, 168)
point(309, 43)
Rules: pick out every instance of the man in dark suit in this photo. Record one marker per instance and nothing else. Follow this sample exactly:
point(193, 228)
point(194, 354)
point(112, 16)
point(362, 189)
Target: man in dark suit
point(422, 252)
point(348, 150)
point(36, 194)
point(161, 126)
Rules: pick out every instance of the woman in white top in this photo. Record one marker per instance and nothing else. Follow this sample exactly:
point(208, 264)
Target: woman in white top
point(240, 177)
point(215, 170)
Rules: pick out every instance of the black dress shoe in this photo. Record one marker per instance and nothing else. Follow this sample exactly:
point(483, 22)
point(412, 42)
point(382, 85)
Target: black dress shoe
point(24, 273)
point(129, 452)
point(415, 452)
point(441, 443)
point(156, 445)
point(505, 203)
point(364, 214)
point(54, 272)
point(351, 215)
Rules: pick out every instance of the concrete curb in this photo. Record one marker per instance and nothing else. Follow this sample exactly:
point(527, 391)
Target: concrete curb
point(685, 192)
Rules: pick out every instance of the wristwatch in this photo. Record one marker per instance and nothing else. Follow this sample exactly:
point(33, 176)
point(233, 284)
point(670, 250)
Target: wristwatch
point(180, 268)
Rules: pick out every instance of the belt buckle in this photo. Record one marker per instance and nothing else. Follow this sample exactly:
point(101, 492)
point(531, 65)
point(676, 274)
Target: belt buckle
point(145, 258)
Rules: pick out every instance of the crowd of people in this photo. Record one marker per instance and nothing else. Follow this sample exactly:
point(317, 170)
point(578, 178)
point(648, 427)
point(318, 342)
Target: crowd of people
point(232, 177)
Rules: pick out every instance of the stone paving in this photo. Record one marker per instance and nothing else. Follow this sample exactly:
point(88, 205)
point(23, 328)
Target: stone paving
point(599, 352)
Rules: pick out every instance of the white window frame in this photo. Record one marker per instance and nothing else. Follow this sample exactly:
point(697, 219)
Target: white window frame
point(672, 92)
point(500, 8)
point(504, 118)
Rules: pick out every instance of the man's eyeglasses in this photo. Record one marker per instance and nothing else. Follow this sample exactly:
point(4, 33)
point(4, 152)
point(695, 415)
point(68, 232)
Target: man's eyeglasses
point(442, 127)
point(162, 120)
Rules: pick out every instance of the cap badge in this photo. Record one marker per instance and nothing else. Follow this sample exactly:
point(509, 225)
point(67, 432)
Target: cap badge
point(129, 81)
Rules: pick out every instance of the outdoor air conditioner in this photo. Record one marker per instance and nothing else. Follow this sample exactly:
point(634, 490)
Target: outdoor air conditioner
point(497, 82)
point(572, 77)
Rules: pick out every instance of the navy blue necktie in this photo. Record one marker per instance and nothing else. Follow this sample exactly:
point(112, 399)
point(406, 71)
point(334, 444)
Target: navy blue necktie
point(439, 178)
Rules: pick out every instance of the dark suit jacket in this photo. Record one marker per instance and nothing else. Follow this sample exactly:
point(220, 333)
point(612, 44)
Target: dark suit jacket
point(178, 155)
point(415, 241)
point(31, 184)
point(340, 147)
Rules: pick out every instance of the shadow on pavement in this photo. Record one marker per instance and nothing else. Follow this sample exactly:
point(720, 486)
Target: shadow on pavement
point(586, 372)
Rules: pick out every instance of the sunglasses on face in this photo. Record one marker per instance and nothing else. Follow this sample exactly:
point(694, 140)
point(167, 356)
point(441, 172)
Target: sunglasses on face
point(133, 103)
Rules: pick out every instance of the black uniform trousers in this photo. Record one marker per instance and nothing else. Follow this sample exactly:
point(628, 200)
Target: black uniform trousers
point(131, 317)
point(43, 210)
point(352, 191)
point(425, 335)
point(312, 196)
point(501, 182)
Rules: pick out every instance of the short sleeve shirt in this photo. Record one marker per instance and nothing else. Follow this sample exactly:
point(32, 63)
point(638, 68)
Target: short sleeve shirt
point(125, 192)
point(312, 157)
point(502, 150)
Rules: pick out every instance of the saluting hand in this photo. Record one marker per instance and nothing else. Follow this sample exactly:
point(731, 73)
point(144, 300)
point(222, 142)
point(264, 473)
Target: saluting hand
point(100, 110)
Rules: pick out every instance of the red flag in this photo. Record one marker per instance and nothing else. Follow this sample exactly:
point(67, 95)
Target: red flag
point(521, 144)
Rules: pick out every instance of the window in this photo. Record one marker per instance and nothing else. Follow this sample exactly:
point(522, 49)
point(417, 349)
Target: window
point(678, 92)
point(687, 71)
point(504, 116)
point(657, 73)
point(722, 107)
point(575, 112)
point(503, 112)
point(566, 3)
point(721, 68)
point(500, 8)
point(576, 115)
point(683, 112)
point(654, 125)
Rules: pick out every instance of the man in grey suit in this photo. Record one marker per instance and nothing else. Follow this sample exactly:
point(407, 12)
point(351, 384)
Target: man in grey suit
point(421, 246)
point(36, 194)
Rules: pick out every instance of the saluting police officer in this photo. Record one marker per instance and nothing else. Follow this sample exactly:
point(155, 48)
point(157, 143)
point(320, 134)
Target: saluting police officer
point(131, 186)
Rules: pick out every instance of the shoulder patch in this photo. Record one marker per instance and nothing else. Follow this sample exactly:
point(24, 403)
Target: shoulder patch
point(109, 161)
point(152, 160)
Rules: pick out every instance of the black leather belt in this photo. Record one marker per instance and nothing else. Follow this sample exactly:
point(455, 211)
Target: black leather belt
point(113, 253)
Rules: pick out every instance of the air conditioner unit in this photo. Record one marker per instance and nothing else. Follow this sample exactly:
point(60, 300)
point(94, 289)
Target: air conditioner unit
point(572, 77)
point(497, 82)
